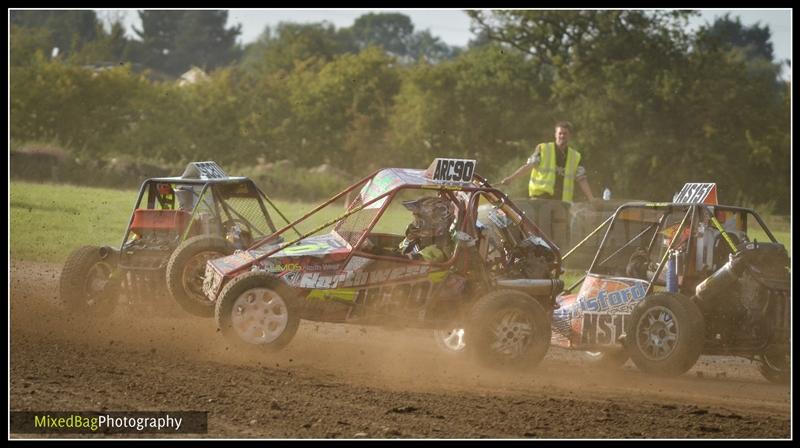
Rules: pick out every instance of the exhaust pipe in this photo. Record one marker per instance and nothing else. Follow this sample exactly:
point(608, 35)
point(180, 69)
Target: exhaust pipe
point(536, 287)
point(106, 252)
point(720, 282)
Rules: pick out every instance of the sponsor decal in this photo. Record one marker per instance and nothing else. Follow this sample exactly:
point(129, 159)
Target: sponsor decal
point(277, 267)
point(414, 291)
point(598, 296)
point(602, 328)
point(347, 279)
point(609, 300)
point(322, 267)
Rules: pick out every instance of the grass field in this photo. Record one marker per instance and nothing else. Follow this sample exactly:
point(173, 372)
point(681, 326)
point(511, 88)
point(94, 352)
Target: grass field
point(49, 221)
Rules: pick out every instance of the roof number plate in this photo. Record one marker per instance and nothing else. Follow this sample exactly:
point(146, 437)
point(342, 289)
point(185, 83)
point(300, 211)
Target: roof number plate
point(697, 193)
point(451, 170)
point(204, 170)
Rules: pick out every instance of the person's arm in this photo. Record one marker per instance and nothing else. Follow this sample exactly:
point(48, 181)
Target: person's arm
point(533, 162)
point(583, 183)
point(523, 169)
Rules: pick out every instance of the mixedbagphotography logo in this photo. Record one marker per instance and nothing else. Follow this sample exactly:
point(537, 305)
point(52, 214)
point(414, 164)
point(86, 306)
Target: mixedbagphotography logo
point(85, 422)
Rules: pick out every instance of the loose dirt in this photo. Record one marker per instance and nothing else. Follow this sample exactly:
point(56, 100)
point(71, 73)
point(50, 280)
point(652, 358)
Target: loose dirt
point(345, 381)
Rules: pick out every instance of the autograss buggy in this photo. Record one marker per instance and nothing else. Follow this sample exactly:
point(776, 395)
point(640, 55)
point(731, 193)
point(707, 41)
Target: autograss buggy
point(502, 291)
point(178, 224)
point(686, 278)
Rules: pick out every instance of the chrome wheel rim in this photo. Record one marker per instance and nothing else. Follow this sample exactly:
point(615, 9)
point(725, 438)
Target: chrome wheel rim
point(513, 333)
point(260, 316)
point(451, 340)
point(657, 333)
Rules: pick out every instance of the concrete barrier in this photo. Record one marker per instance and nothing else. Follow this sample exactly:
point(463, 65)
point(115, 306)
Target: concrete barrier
point(568, 224)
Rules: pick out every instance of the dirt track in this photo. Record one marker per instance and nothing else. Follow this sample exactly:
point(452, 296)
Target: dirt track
point(349, 382)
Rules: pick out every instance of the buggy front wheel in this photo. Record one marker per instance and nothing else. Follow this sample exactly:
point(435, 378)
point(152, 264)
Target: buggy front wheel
point(256, 310)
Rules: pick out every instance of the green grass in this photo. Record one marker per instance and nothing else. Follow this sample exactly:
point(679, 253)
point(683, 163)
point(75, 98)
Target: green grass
point(49, 221)
point(783, 236)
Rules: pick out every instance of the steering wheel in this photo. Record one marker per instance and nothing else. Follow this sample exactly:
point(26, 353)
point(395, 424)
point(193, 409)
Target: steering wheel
point(246, 230)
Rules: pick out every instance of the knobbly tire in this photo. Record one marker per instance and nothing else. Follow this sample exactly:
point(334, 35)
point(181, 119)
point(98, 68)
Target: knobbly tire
point(508, 329)
point(255, 310)
point(87, 286)
point(186, 268)
point(666, 334)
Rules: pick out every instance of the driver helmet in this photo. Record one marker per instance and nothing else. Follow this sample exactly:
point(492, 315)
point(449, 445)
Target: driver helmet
point(432, 218)
point(164, 189)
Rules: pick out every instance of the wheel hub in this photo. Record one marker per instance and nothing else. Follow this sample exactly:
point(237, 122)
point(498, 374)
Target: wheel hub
point(658, 333)
point(260, 316)
point(513, 332)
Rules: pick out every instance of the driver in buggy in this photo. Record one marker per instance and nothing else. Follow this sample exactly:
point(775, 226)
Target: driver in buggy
point(711, 250)
point(428, 236)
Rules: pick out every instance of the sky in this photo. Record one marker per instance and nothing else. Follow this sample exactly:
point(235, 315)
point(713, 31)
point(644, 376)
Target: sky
point(452, 25)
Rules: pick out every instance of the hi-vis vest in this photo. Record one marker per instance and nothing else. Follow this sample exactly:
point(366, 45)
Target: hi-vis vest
point(543, 179)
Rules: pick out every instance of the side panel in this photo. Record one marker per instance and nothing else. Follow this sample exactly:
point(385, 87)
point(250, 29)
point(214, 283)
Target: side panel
point(596, 316)
point(368, 289)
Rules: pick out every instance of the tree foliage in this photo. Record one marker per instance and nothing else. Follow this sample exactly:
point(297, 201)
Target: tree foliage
point(68, 30)
point(653, 104)
point(175, 40)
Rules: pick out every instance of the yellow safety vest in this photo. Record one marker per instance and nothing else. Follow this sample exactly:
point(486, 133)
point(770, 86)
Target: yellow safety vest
point(543, 179)
point(434, 254)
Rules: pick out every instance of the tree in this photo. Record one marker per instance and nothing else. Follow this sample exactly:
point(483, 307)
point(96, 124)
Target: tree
point(656, 106)
point(173, 41)
point(108, 47)
point(394, 33)
point(425, 45)
point(340, 113)
point(25, 43)
point(69, 30)
point(293, 43)
point(480, 105)
point(390, 31)
point(728, 33)
point(557, 38)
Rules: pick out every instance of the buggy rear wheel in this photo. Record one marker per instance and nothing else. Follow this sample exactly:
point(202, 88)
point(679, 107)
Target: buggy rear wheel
point(87, 284)
point(666, 336)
